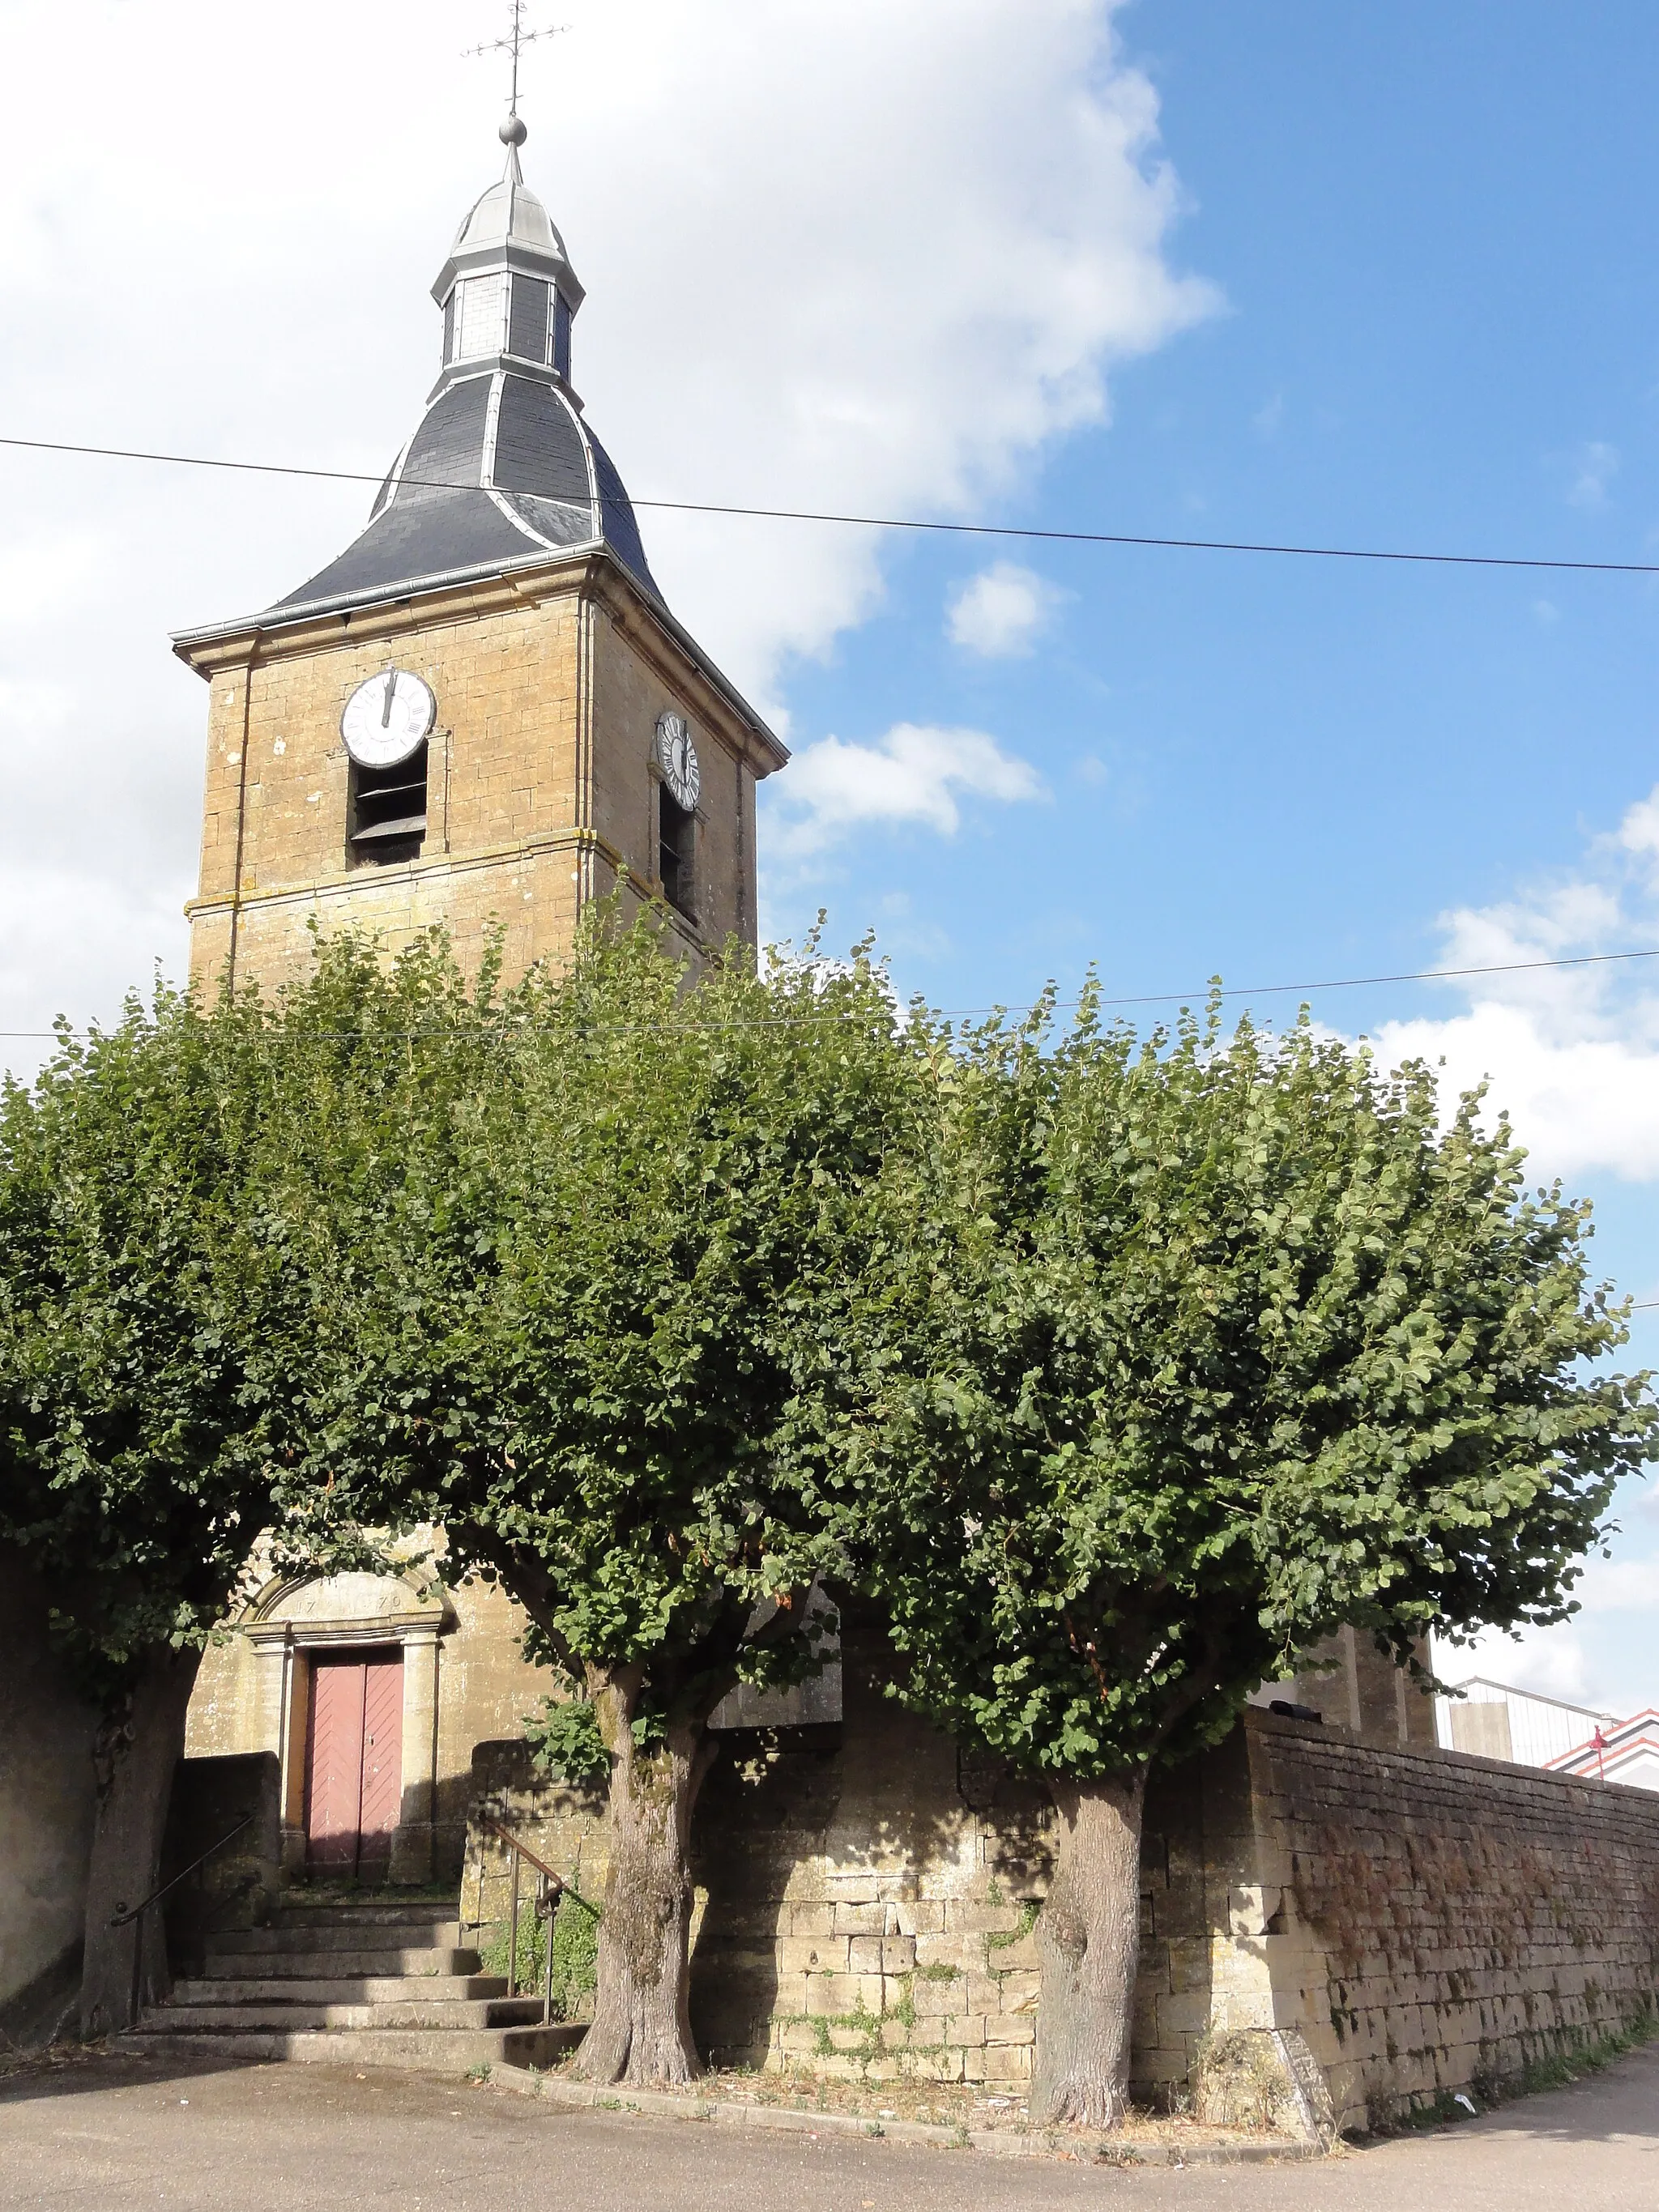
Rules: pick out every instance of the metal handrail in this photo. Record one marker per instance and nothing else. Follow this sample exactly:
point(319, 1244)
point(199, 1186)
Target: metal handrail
point(517, 1844)
point(122, 1913)
point(549, 1889)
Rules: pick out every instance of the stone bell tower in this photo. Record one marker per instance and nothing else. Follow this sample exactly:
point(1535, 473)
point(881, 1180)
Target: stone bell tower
point(482, 713)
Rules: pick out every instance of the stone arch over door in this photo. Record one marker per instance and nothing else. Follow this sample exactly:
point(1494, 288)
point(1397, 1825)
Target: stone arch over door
point(294, 1622)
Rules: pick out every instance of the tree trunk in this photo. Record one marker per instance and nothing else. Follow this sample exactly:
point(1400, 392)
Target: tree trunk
point(139, 1750)
point(642, 2029)
point(1088, 1945)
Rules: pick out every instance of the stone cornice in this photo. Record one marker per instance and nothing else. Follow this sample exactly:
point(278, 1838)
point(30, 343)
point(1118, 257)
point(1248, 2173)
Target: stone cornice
point(594, 573)
point(349, 882)
point(442, 864)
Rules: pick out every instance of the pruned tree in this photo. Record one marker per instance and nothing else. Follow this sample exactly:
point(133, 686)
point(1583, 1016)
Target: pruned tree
point(133, 1478)
point(1200, 1349)
point(583, 1255)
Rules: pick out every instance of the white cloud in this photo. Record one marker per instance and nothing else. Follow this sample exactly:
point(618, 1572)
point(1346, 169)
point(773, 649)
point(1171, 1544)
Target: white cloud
point(1577, 1106)
point(913, 774)
point(1573, 1052)
point(1623, 1585)
point(1639, 830)
point(871, 258)
point(1550, 1660)
point(1002, 612)
point(1603, 1657)
point(1594, 466)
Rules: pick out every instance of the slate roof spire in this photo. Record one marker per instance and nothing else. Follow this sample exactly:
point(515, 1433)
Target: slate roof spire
point(507, 287)
point(503, 468)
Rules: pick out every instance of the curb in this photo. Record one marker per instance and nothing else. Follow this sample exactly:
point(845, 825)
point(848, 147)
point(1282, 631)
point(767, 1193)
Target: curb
point(992, 2142)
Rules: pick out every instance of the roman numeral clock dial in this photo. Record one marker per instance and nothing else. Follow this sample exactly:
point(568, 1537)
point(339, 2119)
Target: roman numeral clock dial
point(677, 756)
point(387, 717)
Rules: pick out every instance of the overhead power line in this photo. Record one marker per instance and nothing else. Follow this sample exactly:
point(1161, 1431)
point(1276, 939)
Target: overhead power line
point(1359, 982)
point(1212, 990)
point(1024, 531)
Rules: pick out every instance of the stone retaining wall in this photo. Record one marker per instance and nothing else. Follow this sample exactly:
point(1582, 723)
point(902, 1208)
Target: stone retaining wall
point(1418, 1920)
point(1429, 1921)
point(48, 1730)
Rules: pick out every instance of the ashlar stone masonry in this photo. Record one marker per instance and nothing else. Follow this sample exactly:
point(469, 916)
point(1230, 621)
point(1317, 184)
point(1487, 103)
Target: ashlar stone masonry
point(1410, 1922)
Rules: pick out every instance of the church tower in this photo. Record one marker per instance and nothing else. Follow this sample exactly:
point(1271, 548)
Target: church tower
point(482, 714)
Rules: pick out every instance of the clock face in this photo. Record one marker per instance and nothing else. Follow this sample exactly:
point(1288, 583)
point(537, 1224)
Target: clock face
point(387, 717)
point(677, 756)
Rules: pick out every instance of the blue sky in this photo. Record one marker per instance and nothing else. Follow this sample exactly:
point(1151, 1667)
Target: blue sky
point(1436, 249)
point(1357, 275)
point(1433, 228)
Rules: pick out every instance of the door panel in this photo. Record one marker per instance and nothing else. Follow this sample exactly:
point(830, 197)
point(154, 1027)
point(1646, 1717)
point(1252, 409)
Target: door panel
point(382, 1758)
point(335, 1776)
point(353, 1770)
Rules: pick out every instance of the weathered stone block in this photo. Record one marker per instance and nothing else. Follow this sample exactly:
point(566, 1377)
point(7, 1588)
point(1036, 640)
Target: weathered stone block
point(948, 1951)
point(807, 1919)
point(1191, 1967)
point(1184, 2015)
point(828, 1995)
point(981, 1993)
point(869, 1919)
point(979, 1919)
point(1008, 2061)
point(1019, 1992)
point(936, 2000)
point(1250, 1907)
point(826, 1956)
point(1000, 1958)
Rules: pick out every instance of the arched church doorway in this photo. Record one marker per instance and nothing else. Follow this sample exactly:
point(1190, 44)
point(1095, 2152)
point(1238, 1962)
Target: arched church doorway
point(354, 1763)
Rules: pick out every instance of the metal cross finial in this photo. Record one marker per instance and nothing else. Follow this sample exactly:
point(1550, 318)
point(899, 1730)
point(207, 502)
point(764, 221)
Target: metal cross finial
point(514, 43)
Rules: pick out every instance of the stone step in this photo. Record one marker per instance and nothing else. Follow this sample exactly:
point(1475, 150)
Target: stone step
point(440, 1919)
point(226, 1958)
point(334, 1989)
point(282, 1934)
point(442, 2051)
point(409, 2010)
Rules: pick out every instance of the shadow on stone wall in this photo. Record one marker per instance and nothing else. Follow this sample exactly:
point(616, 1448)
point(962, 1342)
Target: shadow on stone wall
point(1396, 1922)
point(47, 1797)
point(237, 1887)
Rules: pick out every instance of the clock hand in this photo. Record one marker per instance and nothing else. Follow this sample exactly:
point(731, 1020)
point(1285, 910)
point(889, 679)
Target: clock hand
point(390, 690)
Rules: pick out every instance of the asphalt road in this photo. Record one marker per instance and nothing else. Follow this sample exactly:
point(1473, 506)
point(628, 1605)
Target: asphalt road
point(108, 2135)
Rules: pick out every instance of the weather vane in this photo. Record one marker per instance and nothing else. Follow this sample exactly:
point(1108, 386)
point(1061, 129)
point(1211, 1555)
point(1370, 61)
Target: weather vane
point(514, 43)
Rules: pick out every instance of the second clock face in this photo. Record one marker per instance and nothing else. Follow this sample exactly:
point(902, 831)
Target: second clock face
point(387, 717)
point(677, 756)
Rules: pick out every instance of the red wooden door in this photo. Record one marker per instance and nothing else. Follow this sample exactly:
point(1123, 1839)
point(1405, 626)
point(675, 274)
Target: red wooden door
point(354, 1774)
point(383, 1762)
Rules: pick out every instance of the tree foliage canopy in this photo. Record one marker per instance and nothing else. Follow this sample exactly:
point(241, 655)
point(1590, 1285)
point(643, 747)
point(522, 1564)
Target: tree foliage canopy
point(582, 1255)
point(580, 1250)
point(1206, 1347)
point(134, 1467)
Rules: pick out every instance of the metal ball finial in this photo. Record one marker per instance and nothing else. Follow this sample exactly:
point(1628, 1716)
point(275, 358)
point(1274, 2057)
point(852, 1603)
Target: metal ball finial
point(512, 131)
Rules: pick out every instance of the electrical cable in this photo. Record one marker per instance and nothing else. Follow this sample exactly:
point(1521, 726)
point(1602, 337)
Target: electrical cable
point(1212, 990)
point(888, 521)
